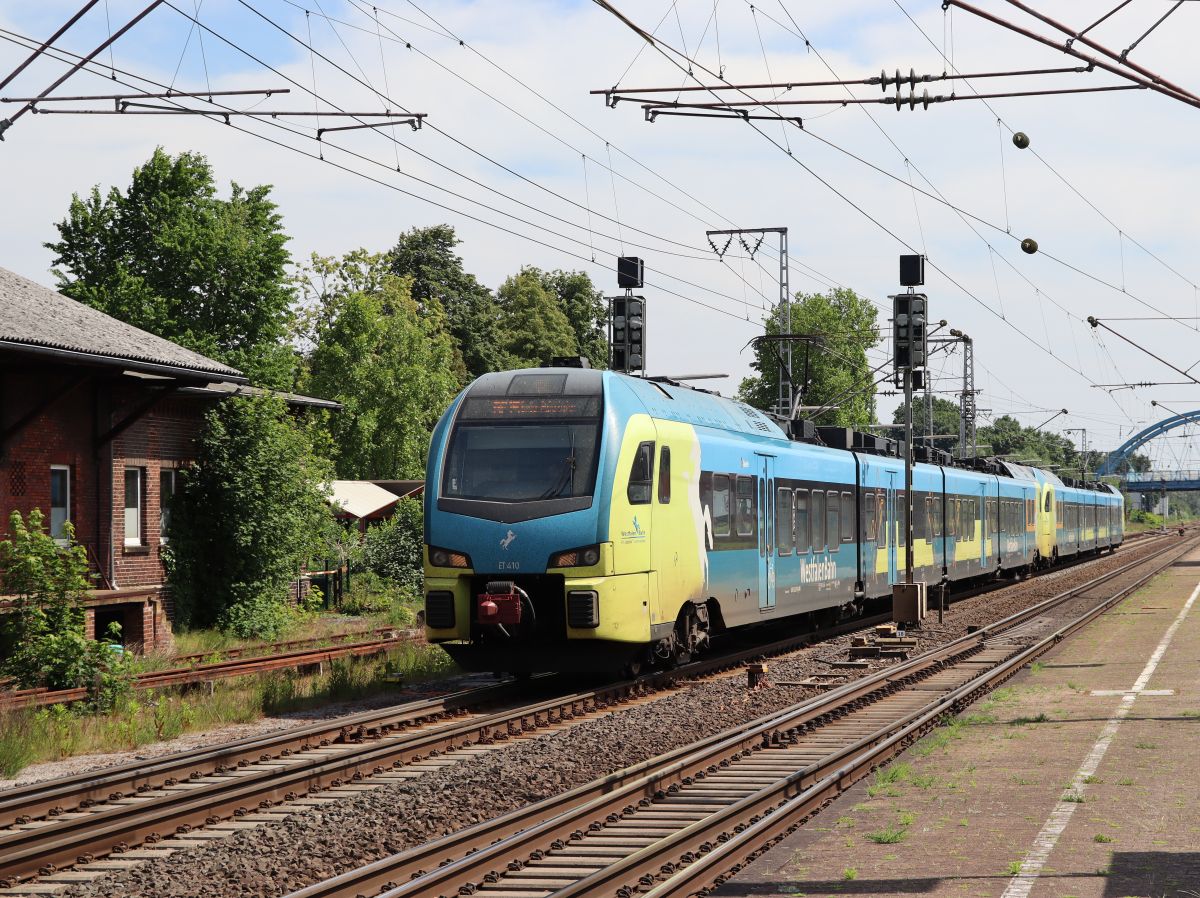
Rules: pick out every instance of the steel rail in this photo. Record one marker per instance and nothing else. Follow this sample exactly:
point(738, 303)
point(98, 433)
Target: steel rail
point(36, 799)
point(731, 848)
point(62, 839)
point(487, 848)
point(26, 851)
point(218, 670)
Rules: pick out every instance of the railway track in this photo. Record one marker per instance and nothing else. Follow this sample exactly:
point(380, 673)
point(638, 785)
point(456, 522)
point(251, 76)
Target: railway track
point(681, 823)
point(181, 799)
point(237, 666)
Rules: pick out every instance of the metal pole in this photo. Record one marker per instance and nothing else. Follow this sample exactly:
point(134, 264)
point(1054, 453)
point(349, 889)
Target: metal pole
point(786, 398)
point(908, 476)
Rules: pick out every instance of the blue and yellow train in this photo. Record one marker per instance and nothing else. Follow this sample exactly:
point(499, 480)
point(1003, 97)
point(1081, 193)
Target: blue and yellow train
point(588, 520)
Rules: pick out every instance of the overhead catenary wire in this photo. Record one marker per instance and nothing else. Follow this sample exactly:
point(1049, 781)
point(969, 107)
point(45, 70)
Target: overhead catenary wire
point(23, 40)
point(937, 196)
point(1043, 160)
point(662, 47)
point(804, 267)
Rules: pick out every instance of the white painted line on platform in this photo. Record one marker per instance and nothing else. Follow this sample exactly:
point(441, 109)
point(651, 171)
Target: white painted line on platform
point(1021, 884)
point(1109, 693)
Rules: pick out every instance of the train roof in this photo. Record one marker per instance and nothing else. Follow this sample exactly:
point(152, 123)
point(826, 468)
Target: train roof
point(675, 401)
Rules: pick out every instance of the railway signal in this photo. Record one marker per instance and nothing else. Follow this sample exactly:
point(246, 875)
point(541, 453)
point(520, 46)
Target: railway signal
point(627, 332)
point(909, 352)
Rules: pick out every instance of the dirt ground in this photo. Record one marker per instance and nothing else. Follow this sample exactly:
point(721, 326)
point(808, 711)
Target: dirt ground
point(975, 809)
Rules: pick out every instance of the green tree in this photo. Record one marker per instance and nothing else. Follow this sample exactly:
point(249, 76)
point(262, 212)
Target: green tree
point(249, 512)
point(586, 311)
point(534, 327)
point(945, 419)
point(426, 256)
point(171, 257)
point(48, 584)
point(388, 360)
point(393, 548)
point(842, 327)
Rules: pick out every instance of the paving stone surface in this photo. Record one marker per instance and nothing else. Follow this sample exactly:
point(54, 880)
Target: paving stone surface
point(971, 810)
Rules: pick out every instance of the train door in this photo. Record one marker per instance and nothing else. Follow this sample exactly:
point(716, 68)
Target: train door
point(766, 532)
point(893, 517)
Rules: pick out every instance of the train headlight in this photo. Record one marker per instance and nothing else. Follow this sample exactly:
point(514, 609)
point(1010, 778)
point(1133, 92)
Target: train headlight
point(447, 558)
point(585, 556)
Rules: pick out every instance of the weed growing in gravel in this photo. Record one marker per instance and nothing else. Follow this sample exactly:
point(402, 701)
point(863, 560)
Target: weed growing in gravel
point(850, 873)
point(924, 781)
point(1023, 781)
point(907, 818)
point(1021, 721)
point(1145, 745)
point(1125, 781)
point(1092, 779)
point(16, 747)
point(887, 778)
point(1014, 867)
point(1191, 714)
point(845, 820)
point(1036, 667)
point(1101, 838)
point(964, 822)
point(1074, 798)
point(889, 835)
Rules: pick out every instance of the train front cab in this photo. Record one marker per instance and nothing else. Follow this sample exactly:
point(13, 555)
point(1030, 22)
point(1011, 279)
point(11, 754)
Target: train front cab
point(559, 513)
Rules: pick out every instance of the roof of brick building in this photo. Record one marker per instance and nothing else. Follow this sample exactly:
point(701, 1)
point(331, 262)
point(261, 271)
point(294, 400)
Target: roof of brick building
point(35, 316)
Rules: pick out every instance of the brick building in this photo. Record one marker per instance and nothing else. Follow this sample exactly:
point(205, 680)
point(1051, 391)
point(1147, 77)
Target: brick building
point(96, 418)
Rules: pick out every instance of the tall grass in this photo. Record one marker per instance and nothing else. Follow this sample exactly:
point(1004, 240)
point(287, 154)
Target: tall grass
point(49, 734)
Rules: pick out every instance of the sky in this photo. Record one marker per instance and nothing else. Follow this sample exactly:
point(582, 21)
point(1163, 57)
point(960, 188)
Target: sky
point(532, 169)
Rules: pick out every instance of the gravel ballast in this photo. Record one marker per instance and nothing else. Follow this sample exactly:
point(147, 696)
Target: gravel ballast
point(278, 858)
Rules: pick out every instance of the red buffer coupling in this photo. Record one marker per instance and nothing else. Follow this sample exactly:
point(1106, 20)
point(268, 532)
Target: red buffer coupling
point(501, 604)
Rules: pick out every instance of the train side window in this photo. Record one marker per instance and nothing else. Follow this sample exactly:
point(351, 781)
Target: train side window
point(801, 520)
point(935, 511)
point(783, 521)
point(847, 518)
point(745, 511)
point(1046, 507)
point(720, 504)
point(833, 520)
point(641, 475)
point(901, 519)
point(664, 475)
point(881, 531)
point(928, 523)
point(816, 517)
point(869, 529)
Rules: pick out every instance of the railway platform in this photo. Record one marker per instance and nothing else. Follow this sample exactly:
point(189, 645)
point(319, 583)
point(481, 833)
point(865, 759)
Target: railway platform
point(1075, 780)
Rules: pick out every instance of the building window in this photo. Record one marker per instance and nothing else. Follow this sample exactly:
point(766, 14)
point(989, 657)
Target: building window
point(60, 502)
point(133, 506)
point(166, 492)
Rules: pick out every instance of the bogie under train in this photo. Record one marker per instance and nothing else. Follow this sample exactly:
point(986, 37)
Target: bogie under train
point(588, 520)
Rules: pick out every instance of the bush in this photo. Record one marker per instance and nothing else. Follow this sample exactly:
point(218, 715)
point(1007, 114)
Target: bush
point(393, 549)
point(248, 512)
point(49, 584)
point(369, 594)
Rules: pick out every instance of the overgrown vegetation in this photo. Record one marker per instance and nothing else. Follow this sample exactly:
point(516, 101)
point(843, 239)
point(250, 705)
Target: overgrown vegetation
point(248, 512)
point(45, 630)
point(47, 734)
point(392, 549)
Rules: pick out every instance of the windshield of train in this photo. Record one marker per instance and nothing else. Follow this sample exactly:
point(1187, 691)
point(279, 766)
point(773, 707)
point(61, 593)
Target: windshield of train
point(523, 448)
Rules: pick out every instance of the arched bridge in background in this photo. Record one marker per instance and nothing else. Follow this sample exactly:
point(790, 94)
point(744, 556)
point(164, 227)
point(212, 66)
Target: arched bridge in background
point(1152, 481)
